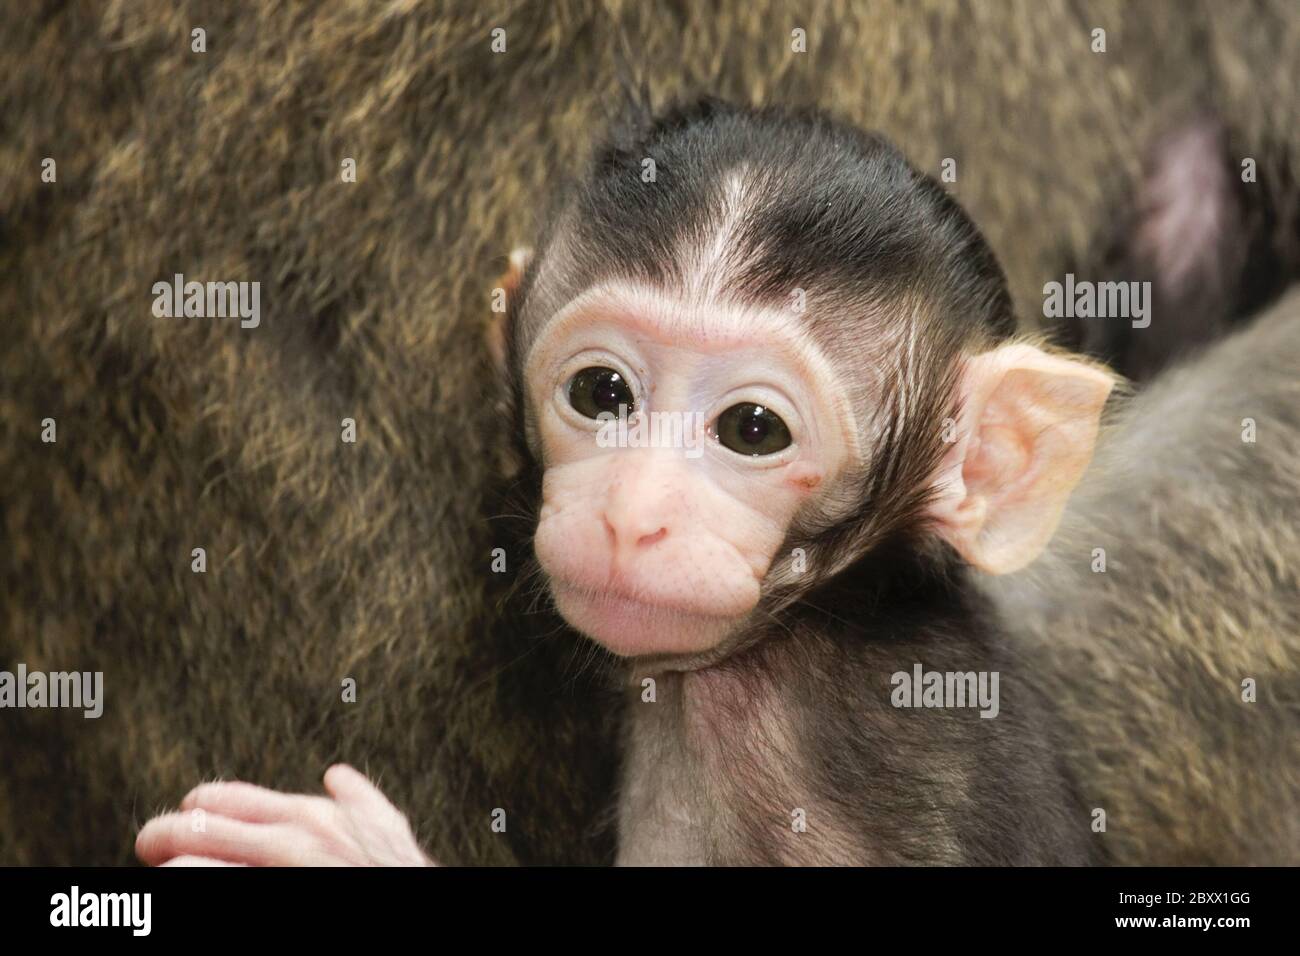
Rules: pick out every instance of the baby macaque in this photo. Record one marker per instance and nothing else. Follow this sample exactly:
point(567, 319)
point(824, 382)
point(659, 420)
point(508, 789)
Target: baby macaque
point(775, 422)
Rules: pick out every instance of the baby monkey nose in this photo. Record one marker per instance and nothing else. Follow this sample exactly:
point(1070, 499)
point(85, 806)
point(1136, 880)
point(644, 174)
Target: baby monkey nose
point(641, 534)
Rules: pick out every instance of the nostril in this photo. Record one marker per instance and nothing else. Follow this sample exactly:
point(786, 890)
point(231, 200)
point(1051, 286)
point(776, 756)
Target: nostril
point(620, 534)
point(648, 539)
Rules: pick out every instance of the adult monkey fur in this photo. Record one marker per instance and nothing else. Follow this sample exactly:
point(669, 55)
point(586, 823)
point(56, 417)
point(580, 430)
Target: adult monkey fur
point(1211, 247)
point(773, 697)
point(326, 563)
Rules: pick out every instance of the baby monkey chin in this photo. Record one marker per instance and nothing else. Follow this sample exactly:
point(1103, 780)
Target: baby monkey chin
point(633, 628)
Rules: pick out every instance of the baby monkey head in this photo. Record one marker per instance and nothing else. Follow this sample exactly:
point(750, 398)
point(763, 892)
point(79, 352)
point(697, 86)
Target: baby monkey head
point(751, 347)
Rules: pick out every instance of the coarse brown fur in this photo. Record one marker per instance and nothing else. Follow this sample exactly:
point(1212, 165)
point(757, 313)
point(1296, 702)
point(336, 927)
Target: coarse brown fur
point(372, 561)
point(1198, 594)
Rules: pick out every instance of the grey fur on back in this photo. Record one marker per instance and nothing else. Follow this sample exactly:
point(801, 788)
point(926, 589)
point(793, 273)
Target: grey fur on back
point(1201, 591)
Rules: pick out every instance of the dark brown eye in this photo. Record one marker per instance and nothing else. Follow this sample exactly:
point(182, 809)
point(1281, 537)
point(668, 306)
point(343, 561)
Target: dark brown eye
point(750, 429)
point(599, 389)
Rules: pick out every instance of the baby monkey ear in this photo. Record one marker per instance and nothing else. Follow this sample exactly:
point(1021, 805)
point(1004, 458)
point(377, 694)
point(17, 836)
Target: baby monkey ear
point(502, 293)
point(1024, 437)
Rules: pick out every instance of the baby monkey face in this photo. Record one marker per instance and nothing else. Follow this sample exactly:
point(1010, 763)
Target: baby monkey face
point(680, 440)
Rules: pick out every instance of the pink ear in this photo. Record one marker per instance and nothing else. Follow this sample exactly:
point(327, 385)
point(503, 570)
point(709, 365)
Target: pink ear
point(1026, 434)
point(509, 283)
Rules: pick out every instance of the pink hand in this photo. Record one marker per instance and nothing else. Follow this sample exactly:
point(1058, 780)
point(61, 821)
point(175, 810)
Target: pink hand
point(252, 826)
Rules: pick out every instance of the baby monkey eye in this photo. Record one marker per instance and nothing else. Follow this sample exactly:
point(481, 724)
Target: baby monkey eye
point(599, 389)
point(750, 429)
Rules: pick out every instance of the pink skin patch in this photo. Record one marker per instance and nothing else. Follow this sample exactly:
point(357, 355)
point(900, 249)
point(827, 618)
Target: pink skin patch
point(804, 477)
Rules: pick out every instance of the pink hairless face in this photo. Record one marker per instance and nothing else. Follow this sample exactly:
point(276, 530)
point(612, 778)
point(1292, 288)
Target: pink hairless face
point(679, 442)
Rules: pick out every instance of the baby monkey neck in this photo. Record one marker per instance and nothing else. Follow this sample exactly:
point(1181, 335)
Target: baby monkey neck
point(736, 762)
point(710, 754)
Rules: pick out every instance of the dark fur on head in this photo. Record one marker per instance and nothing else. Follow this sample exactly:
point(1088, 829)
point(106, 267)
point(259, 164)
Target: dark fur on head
point(827, 207)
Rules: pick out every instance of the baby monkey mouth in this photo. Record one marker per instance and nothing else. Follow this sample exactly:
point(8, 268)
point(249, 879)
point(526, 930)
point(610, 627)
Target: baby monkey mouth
point(634, 624)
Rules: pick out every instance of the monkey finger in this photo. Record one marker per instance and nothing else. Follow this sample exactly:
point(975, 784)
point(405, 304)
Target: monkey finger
point(353, 790)
point(348, 785)
point(254, 804)
point(234, 841)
